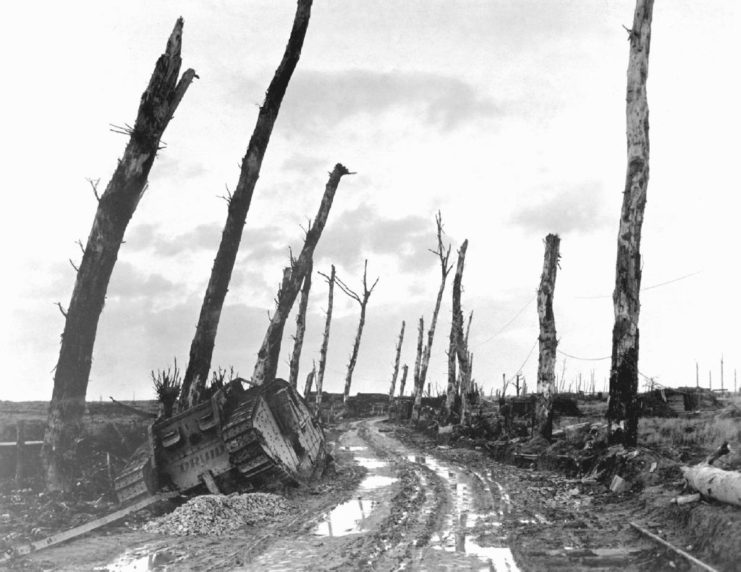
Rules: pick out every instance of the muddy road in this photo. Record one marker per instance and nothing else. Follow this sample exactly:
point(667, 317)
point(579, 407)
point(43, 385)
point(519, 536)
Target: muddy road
point(406, 505)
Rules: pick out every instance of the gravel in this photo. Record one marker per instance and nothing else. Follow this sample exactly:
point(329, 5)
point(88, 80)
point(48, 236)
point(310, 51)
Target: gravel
point(219, 515)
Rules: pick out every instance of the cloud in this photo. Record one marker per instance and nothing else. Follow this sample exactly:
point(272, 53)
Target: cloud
point(580, 209)
point(357, 232)
point(128, 282)
point(202, 237)
point(319, 100)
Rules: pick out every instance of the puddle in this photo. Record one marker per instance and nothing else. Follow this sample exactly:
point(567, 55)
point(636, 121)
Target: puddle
point(369, 463)
point(455, 534)
point(354, 448)
point(141, 560)
point(346, 518)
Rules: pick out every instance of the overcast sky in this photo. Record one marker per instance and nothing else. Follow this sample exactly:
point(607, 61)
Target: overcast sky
point(508, 116)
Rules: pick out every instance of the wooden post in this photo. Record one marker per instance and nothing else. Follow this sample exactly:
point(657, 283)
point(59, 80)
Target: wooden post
point(622, 410)
point(722, 386)
point(325, 340)
point(116, 207)
point(697, 374)
point(547, 340)
point(202, 346)
point(293, 277)
point(20, 452)
point(710, 380)
point(298, 340)
point(395, 374)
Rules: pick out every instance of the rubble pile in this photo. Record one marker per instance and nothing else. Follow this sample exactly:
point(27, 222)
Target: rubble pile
point(219, 515)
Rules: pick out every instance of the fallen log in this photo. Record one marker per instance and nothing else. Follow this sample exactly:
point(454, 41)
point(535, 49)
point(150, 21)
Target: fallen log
point(712, 482)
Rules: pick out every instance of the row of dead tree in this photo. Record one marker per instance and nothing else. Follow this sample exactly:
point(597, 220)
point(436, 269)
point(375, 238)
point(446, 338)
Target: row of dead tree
point(118, 202)
point(623, 410)
point(116, 206)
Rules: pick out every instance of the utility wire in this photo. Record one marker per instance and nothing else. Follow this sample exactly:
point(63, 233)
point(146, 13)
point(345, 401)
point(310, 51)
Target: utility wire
point(583, 358)
point(646, 288)
point(508, 324)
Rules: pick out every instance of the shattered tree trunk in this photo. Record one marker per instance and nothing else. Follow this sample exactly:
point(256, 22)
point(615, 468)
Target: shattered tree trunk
point(622, 410)
point(547, 339)
point(403, 382)
point(309, 382)
point(293, 277)
point(396, 362)
point(452, 375)
point(325, 340)
point(363, 301)
point(417, 406)
point(115, 208)
point(298, 340)
point(461, 351)
point(443, 255)
point(202, 346)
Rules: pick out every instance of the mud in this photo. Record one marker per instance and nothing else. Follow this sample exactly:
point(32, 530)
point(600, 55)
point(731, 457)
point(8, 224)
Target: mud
point(399, 501)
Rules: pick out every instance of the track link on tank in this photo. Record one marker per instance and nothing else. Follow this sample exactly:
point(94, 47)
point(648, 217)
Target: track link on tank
point(135, 479)
point(246, 450)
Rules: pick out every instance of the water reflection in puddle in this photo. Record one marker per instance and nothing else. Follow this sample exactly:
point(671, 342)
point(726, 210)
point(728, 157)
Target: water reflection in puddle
point(369, 463)
point(350, 517)
point(141, 560)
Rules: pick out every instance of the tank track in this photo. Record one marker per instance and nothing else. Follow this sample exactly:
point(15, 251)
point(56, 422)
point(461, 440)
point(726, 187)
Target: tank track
point(134, 480)
point(246, 451)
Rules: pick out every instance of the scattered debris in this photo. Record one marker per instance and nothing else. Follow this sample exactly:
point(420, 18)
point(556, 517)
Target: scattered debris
point(686, 499)
point(219, 515)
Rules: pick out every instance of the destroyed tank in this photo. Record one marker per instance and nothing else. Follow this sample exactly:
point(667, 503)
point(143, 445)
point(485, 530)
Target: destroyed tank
point(254, 438)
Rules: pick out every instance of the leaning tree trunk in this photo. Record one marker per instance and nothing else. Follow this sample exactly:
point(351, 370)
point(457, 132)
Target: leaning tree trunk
point(325, 340)
point(461, 351)
point(115, 208)
point(547, 339)
point(443, 255)
point(298, 340)
point(417, 406)
point(267, 357)
point(622, 410)
point(202, 346)
point(396, 362)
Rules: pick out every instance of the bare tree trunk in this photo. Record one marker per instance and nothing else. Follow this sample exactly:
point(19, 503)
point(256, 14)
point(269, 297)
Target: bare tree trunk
point(452, 391)
point(267, 357)
point(115, 208)
point(461, 350)
point(443, 255)
point(363, 301)
point(396, 362)
point(622, 410)
point(547, 340)
point(325, 339)
point(202, 346)
point(298, 340)
point(308, 384)
point(403, 382)
point(417, 407)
